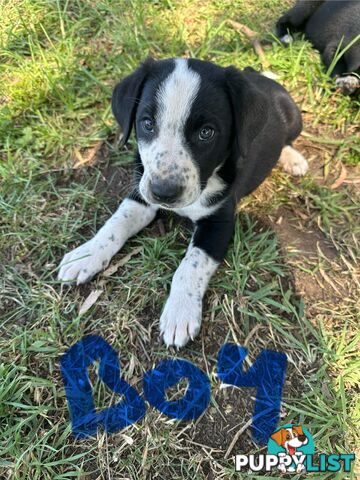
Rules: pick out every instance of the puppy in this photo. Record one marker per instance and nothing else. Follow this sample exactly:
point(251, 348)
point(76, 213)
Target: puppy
point(207, 136)
point(329, 25)
point(290, 439)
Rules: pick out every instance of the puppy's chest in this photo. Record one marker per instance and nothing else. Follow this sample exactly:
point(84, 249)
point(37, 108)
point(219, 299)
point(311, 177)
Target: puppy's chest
point(197, 210)
point(203, 206)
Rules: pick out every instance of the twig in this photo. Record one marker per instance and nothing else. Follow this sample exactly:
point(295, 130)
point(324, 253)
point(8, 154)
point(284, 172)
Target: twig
point(252, 36)
point(236, 437)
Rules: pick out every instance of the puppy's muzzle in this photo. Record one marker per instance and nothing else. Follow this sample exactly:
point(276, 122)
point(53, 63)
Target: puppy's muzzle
point(165, 191)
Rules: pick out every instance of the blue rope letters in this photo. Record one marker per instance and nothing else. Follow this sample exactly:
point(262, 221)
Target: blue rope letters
point(84, 418)
point(167, 374)
point(267, 375)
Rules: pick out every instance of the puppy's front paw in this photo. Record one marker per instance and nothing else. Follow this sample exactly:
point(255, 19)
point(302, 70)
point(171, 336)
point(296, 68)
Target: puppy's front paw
point(84, 262)
point(181, 319)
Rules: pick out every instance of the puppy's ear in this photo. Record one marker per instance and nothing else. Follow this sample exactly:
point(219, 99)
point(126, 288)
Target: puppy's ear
point(277, 437)
point(126, 96)
point(250, 107)
point(298, 429)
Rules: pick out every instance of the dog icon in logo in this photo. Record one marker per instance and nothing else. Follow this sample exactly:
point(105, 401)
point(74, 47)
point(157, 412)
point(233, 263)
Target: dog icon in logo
point(291, 439)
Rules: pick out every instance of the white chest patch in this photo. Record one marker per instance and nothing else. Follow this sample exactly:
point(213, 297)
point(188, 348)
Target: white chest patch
point(200, 208)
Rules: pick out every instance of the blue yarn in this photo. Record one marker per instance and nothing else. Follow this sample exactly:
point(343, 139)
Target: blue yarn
point(267, 374)
point(167, 374)
point(84, 418)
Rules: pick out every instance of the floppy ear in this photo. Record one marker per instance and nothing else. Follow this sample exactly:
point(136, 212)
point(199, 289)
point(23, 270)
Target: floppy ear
point(250, 107)
point(298, 429)
point(277, 436)
point(126, 96)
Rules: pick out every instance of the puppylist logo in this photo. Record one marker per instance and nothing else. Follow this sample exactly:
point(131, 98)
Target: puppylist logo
point(291, 449)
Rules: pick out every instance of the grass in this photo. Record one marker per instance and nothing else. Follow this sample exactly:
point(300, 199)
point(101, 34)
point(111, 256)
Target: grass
point(288, 283)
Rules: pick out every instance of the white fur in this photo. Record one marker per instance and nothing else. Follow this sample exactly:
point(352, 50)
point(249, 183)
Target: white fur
point(85, 261)
point(348, 84)
point(167, 154)
point(181, 318)
point(293, 162)
point(287, 39)
point(200, 207)
point(269, 74)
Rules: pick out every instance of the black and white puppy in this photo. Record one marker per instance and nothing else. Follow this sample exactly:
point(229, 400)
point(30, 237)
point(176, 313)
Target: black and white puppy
point(329, 25)
point(206, 136)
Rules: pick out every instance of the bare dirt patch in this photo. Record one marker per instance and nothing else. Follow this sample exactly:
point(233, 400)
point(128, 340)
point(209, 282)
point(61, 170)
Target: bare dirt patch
point(307, 249)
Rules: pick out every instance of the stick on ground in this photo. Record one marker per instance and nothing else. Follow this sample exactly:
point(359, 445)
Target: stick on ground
point(252, 36)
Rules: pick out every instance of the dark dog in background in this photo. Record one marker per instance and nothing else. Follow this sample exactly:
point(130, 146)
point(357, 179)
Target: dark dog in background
point(329, 25)
point(207, 136)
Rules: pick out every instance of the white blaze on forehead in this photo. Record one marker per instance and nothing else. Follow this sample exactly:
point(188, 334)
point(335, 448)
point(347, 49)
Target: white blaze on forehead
point(176, 96)
point(166, 156)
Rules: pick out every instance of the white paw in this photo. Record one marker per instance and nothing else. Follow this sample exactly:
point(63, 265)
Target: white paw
point(181, 318)
point(287, 39)
point(84, 262)
point(348, 84)
point(293, 162)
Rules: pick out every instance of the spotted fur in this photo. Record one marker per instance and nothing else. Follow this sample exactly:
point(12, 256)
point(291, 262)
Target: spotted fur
point(207, 136)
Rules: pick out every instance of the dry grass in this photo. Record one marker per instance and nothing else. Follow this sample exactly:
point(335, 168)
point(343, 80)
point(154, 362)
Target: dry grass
point(289, 281)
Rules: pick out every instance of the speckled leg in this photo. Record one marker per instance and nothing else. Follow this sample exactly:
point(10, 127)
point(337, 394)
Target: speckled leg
point(81, 264)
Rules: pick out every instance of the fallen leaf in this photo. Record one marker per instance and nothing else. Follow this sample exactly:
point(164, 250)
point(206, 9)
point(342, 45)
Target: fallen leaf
point(113, 268)
point(89, 301)
point(340, 179)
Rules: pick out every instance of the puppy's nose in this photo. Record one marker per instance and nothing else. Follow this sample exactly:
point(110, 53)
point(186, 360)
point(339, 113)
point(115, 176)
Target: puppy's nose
point(165, 191)
point(302, 438)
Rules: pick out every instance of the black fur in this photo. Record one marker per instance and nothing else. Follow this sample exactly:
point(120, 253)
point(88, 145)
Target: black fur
point(254, 118)
point(327, 24)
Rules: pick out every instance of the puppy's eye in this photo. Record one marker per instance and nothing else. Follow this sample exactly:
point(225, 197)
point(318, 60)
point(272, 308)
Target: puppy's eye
point(148, 124)
point(206, 133)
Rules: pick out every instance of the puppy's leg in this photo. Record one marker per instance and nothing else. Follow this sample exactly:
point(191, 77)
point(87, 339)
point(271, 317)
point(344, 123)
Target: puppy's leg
point(181, 317)
point(293, 162)
point(85, 261)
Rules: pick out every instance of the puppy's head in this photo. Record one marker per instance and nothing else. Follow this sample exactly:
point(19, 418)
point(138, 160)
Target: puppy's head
point(290, 438)
point(190, 117)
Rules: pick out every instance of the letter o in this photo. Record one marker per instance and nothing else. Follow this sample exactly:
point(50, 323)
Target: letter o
point(167, 374)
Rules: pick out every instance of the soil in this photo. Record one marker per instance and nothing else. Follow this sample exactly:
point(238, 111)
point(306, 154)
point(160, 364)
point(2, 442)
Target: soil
point(304, 246)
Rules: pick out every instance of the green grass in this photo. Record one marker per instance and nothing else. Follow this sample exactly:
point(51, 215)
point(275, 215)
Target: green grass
point(58, 63)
